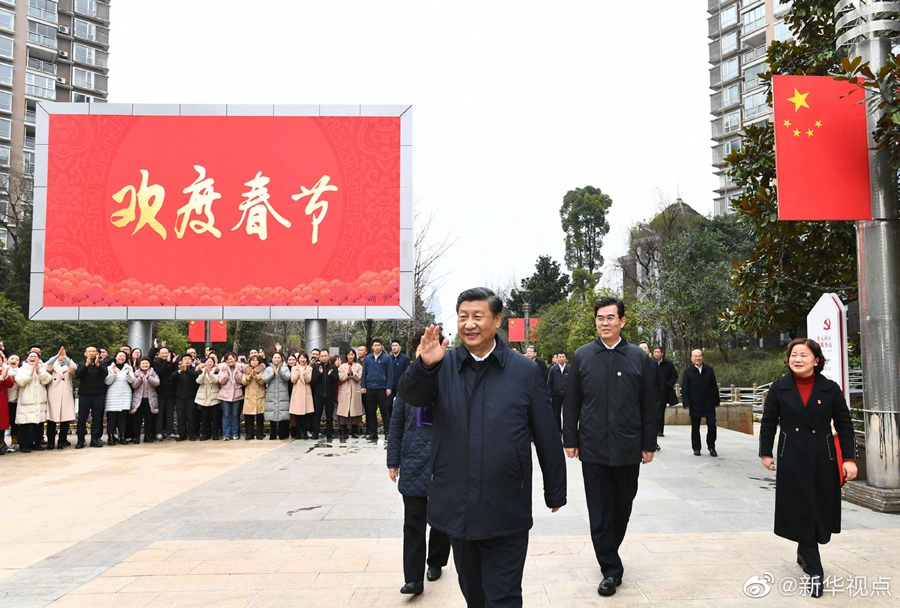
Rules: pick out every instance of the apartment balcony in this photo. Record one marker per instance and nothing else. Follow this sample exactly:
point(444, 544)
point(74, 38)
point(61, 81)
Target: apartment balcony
point(30, 116)
point(41, 66)
point(34, 11)
point(29, 142)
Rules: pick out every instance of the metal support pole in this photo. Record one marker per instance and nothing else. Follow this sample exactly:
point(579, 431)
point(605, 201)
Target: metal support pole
point(140, 335)
point(315, 331)
point(527, 307)
point(867, 25)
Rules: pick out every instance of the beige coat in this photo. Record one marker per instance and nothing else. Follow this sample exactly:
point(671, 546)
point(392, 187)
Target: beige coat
point(60, 391)
point(349, 397)
point(32, 394)
point(254, 391)
point(208, 393)
point(301, 397)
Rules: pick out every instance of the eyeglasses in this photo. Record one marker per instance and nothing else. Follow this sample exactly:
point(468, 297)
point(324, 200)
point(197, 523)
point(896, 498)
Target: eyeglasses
point(608, 319)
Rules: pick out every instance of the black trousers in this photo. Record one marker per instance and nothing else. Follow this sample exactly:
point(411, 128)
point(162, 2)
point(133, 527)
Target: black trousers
point(115, 425)
point(92, 405)
point(186, 410)
point(250, 421)
point(810, 554)
point(28, 435)
point(51, 431)
point(145, 416)
point(165, 417)
point(414, 557)
point(662, 418)
point(280, 429)
point(710, 433)
point(490, 570)
point(376, 398)
point(208, 416)
point(557, 402)
point(323, 404)
point(13, 427)
point(610, 493)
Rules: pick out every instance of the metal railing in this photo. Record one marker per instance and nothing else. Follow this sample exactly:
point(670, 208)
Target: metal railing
point(755, 25)
point(756, 53)
point(41, 66)
point(29, 142)
point(30, 115)
point(42, 40)
point(42, 14)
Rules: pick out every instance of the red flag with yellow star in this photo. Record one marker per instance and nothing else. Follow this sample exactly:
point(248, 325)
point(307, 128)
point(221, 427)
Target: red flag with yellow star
point(821, 149)
point(218, 331)
point(197, 331)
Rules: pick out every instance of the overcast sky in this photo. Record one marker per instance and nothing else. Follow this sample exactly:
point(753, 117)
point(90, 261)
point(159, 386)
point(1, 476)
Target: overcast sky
point(515, 102)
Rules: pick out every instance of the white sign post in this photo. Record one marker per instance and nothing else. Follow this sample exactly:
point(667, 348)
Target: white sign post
point(826, 323)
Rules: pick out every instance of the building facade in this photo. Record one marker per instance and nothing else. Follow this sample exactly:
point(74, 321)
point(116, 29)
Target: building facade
point(49, 50)
point(740, 31)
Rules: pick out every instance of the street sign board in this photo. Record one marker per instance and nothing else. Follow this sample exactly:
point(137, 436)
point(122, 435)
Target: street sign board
point(826, 323)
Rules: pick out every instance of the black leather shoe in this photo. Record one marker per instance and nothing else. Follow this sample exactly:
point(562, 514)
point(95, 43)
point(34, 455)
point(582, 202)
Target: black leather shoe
point(608, 585)
point(96, 443)
point(658, 448)
point(433, 573)
point(713, 453)
point(36, 447)
point(181, 438)
point(413, 588)
point(696, 452)
point(80, 444)
point(815, 586)
point(64, 443)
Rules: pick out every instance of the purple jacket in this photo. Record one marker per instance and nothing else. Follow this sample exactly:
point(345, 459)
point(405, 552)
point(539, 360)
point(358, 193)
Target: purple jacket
point(145, 389)
point(230, 386)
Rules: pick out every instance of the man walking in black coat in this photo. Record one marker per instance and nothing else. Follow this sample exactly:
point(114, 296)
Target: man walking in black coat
point(488, 406)
point(557, 378)
point(609, 423)
point(700, 394)
point(669, 380)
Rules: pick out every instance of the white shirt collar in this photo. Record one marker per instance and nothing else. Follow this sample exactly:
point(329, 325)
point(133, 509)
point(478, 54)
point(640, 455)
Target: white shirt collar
point(699, 368)
point(613, 346)
point(477, 358)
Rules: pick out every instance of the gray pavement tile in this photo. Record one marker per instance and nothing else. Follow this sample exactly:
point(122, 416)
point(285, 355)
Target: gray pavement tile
point(88, 554)
point(33, 584)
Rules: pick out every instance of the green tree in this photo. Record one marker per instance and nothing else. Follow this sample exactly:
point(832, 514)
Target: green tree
point(791, 263)
point(547, 285)
point(13, 330)
point(583, 215)
point(76, 336)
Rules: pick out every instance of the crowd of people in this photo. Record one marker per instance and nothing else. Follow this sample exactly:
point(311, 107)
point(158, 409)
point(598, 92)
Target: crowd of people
point(167, 396)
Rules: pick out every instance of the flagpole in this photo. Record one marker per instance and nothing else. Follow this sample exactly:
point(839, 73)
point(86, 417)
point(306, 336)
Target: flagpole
point(867, 26)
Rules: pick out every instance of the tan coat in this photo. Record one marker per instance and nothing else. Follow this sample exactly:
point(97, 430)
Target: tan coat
point(208, 393)
point(60, 391)
point(32, 394)
point(349, 397)
point(254, 391)
point(301, 397)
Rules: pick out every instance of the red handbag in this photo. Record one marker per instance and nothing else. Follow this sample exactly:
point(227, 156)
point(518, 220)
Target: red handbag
point(840, 458)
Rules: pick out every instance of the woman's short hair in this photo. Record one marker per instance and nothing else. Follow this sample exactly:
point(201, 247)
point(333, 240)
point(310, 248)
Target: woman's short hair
point(147, 359)
point(811, 345)
point(252, 357)
point(230, 353)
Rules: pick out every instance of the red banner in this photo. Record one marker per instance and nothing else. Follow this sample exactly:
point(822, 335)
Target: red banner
point(218, 331)
point(222, 211)
point(197, 331)
point(821, 149)
point(517, 329)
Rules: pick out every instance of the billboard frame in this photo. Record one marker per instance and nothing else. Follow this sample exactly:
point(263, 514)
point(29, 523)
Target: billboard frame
point(39, 312)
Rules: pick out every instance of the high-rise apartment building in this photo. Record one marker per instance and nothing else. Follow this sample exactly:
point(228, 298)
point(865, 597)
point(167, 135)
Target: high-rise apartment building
point(49, 50)
point(740, 31)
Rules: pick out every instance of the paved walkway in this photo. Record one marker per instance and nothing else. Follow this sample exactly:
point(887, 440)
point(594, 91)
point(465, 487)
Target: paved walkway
point(271, 523)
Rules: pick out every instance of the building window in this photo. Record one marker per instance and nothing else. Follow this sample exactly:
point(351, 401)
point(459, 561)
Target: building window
point(82, 78)
point(732, 145)
point(733, 122)
point(783, 32)
point(28, 162)
point(5, 101)
point(729, 43)
point(5, 128)
point(751, 75)
point(7, 20)
point(754, 20)
point(81, 98)
point(86, 7)
point(85, 54)
point(729, 69)
point(86, 30)
point(6, 47)
point(728, 16)
point(44, 9)
point(42, 34)
point(40, 86)
point(755, 104)
point(731, 96)
point(6, 73)
point(4, 156)
point(783, 6)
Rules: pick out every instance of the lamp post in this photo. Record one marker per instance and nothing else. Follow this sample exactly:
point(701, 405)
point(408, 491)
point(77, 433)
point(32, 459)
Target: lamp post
point(867, 28)
point(526, 308)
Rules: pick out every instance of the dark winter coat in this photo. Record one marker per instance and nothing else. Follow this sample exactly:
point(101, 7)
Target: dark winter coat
point(164, 370)
point(184, 384)
point(92, 379)
point(807, 486)
point(485, 418)
point(323, 383)
point(609, 411)
point(669, 380)
point(378, 373)
point(700, 392)
point(557, 379)
point(399, 364)
point(409, 448)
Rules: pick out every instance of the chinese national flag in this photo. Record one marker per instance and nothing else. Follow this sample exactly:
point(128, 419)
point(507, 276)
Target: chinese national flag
point(516, 330)
point(197, 331)
point(218, 331)
point(821, 149)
